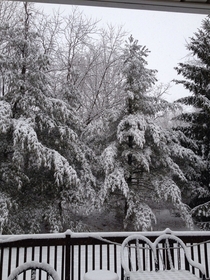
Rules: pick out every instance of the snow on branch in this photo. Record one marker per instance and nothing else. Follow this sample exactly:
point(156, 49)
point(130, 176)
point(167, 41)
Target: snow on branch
point(64, 132)
point(157, 134)
point(25, 139)
point(143, 215)
point(198, 101)
point(143, 158)
point(108, 158)
point(63, 172)
point(202, 210)
point(4, 210)
point(59, 110)
point(115, 180)
point(5, 115)
point(186, 216)
point(174, 168)
point(135, 126)
point(187, 154)
point(24, 134)
point(169, 191)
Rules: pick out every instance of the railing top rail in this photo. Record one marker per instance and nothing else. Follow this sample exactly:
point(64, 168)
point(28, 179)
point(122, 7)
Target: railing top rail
point(145, 233)
point(12, 238)
point(101, 235)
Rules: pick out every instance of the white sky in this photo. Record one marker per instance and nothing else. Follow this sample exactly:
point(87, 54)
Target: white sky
point(164, 33)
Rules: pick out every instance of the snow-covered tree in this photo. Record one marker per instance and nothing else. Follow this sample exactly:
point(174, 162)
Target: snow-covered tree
point(141, 161)
point(44, 167)
point(88, 64)
point(195, 123)
point(103, 83)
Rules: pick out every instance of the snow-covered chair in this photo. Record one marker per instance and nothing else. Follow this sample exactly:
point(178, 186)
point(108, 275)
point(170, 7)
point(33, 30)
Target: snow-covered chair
point(173, 256)
point(137, 255)
point(33, 266)
point(159, 260)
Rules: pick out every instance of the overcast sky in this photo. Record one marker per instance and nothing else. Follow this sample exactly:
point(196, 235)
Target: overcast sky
point(164, 33)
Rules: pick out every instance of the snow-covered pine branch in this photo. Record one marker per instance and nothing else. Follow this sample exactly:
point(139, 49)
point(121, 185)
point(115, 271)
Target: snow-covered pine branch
point(169, 191)
point(25, 139)
point(5, 116)
point(134, 126)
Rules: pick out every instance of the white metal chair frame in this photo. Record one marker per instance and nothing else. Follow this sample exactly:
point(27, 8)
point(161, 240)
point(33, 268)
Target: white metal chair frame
point(125, 245)
point(154, 248)
point(33, 265)
point(179, 241)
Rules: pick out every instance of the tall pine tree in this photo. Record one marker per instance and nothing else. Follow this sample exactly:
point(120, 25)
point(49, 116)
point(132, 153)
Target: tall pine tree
point(44, 167)
point(141, 160)
point(196, 122)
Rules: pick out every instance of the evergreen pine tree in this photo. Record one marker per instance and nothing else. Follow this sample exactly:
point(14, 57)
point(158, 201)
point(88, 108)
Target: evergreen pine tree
point(44, 168)
point(196, 122)
point(141, 162)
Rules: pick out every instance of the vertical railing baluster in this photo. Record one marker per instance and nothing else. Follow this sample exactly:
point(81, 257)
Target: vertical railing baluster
point(62, 262)
point(129, 256)
point(192, 256)
point(158, 257)
point(165, 259)
point(150, 259)
point(48, 254)
point(1, 262)
point(9, 260)
point(32, 253)
point(108, 256)
point(48, 259)
point(25, 259)
point(25, 254)
point(100, 256)
point(173, 245)
point(79, 261)
point(122, 273)
point(86, 258)
point(17, 256)
point(40, 260)
point(143, 257)
point(55, 256)
point(40, 253)
point(179, 256)
point(115, 258)
point(93, 256)
point(187, 266)
point(206, 260)
point(69, 256)
point(199, 258)
point(135, 256)
point(72, 250)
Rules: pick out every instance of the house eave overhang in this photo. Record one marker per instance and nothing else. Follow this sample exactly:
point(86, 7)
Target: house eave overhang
point(182, 6)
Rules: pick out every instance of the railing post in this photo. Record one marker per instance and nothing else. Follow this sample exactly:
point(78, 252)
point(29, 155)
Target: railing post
point(68, 255)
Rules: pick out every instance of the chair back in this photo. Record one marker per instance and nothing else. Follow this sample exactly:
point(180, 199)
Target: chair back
point(170, 250)
point(30, 270)
point(138, 254)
